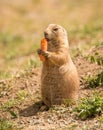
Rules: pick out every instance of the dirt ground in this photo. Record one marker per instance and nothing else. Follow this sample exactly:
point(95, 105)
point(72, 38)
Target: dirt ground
point(61, 118)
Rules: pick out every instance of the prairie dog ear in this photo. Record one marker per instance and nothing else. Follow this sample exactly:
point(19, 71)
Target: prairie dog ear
point(64, 32)
point(63, 29)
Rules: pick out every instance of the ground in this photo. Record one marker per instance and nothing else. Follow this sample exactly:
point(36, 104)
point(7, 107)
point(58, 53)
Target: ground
point(21, 29)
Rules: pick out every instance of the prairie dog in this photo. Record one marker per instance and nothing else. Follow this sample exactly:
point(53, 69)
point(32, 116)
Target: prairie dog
point(59, 78)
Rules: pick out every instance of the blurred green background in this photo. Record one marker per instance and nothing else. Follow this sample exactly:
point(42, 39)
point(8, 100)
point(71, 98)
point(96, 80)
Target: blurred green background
point(22, 23)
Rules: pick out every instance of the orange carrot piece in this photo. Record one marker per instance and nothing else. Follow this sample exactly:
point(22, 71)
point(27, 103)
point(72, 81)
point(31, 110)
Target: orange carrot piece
point(44, 48)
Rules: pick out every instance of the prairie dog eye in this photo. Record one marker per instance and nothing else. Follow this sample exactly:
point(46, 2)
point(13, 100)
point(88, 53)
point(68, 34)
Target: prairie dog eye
point(55, 29)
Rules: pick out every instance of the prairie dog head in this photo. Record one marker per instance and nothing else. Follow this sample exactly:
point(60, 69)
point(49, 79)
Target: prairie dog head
point(56, 35)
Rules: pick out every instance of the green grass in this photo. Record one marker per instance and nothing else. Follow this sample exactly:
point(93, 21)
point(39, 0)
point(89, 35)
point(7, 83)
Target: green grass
point(4, 74)
point(16, 45)
point(22, 94)
point(94, 81)
point(8, 105)
point(34, 63)
point(90, 107)
point(12, 103)
point(96, 59)
point(7, 125)
point(5, 88)
point(96, 56)
point(7, 38)
point(101, 119)
point(9, 42)
point(88, 33)
point(99, 44)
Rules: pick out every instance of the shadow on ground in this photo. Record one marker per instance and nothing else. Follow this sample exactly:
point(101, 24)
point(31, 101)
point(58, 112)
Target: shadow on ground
point(31, 110)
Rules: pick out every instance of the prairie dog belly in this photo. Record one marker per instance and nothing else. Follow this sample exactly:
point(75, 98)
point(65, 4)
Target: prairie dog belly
point(49, 82)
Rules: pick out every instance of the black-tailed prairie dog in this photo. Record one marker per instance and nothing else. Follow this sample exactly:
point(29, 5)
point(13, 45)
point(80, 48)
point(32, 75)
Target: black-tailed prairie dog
point(59, 78)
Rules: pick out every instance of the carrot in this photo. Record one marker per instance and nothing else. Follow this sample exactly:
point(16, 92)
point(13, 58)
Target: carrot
point(44, 48)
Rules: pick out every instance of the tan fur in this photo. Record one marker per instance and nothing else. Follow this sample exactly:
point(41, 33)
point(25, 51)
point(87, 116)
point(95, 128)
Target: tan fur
point(59, 79)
